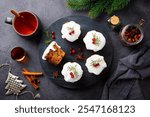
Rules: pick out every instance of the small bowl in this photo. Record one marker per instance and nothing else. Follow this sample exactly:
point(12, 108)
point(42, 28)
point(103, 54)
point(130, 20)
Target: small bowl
point(132, 34)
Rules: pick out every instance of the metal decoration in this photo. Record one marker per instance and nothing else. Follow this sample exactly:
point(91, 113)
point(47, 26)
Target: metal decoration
point(15, 85)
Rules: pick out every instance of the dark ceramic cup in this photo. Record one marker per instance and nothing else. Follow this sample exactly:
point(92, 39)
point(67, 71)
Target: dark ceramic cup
point(27, 25)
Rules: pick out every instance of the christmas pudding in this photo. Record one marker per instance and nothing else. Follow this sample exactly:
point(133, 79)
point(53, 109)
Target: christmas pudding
point(53, 53)
point(95, 64)
point(71, 31)
point(94, 41)
point(72, 72)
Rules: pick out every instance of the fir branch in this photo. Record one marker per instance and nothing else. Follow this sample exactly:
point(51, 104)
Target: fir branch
point(79, 4)
point(117, 5)
point(98, 8)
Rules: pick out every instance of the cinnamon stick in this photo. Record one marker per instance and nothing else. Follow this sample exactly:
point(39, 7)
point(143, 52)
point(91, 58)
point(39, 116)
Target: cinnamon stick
point(35, 86)
point(34, 79)
point(32, 73)
point(15, 13)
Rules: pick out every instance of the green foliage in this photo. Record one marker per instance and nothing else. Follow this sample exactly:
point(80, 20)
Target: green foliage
point(96, 7)
point(117, 5)
point(78, 4)
point(48, 39)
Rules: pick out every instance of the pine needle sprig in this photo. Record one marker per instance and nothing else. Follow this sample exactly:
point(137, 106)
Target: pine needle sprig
point(117, 5)
point(96, 7)
point(79, 4)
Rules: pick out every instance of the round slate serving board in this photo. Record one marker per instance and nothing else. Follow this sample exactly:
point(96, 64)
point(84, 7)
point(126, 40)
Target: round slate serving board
point(87, 79)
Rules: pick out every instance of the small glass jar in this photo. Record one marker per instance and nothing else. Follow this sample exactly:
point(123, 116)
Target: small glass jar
point(19, 54)
point(132, 34)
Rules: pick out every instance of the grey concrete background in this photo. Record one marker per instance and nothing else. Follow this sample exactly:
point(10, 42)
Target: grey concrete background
point(49, 11)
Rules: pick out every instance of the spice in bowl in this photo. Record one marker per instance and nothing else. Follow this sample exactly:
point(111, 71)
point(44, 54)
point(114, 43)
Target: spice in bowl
point(131, 34)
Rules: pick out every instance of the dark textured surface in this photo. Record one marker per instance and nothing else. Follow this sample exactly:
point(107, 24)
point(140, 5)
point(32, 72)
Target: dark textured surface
point(48, 12)
point(87, 79)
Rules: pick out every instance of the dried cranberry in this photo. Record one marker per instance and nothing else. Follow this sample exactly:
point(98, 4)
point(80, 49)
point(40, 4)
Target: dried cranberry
point(70, 33)
point(72, 75)
point(93, 41)
point(53, 36)
point(73, 51)
point(53, 33)
point(96, 65)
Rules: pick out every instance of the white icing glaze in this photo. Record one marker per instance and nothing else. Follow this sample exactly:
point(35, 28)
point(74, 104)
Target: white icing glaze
point(88, 41)
point(96, 70)
point(66, 72)
point(65, 31)
point(50, 47)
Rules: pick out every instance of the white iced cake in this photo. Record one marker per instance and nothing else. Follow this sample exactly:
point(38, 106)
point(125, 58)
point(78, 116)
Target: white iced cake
point(94, 41)
point(72, 72)
point(71, 31)
point(95, 64)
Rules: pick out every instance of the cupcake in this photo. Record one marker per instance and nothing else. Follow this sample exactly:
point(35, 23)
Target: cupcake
point(71, 31)
point(53, 53)
point(72, 72)
point(95, 64)
point(94, 41)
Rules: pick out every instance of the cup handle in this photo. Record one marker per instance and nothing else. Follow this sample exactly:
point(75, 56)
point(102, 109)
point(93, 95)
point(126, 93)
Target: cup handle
point(8, 20)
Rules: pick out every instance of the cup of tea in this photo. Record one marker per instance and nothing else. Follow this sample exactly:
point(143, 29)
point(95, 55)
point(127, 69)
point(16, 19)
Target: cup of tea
point(19, 54)
point(24, 23)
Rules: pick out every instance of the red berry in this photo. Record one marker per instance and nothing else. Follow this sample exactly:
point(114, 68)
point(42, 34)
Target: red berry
point(96, 65)
point(53, 33)
point(70, 33)
point(93, 42)
point(53, 37)
point(93, 39)
point(73, 51)
point(72, 75)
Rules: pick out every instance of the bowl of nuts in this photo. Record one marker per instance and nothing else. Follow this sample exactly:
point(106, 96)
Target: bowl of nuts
point(132, 34)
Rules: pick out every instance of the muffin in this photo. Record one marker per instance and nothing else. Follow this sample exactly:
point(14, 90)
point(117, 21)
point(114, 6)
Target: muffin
point(72, 72)
point(53, 53)
point(94, 41)
point(95, 64)
point(71, 31)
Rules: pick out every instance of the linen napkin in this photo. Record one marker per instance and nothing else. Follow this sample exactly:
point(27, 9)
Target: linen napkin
point(130, 74)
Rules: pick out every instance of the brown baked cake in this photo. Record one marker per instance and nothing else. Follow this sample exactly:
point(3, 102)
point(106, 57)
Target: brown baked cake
point(55, 54)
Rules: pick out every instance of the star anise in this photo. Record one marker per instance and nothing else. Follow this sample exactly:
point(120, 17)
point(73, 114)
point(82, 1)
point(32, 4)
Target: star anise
point(80, 57)
point(56, 74)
